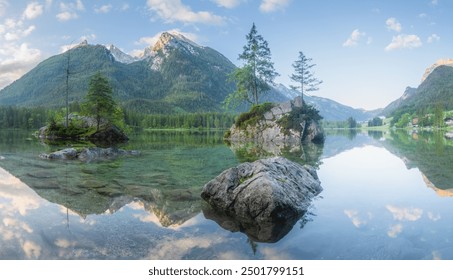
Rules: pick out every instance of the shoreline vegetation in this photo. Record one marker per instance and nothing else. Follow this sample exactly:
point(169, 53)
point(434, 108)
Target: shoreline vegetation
point(12, 117)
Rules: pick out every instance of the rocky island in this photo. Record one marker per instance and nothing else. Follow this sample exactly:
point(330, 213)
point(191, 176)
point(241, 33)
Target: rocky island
point(288, 123)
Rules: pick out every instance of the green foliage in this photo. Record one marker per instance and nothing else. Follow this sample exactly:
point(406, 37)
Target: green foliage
point(426, 120)
point(427, 117)
point(298, 115)
point(73, 131)
point(179, 121)
point(376, 121)
point(304, 75)
point(24, 118)
point(99, 101)
point(439, 116)
point(257, 74)
point(352, 123)
point(244, 79)
point(404, 121)
point(255, 114)
point(436, 89)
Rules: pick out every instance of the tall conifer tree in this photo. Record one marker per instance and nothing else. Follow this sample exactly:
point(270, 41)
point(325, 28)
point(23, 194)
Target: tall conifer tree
point(99, 101)
point(257, 74)
point(304, 75)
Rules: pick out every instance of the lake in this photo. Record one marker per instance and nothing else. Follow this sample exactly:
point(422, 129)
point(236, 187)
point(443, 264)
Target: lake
point(386, 196)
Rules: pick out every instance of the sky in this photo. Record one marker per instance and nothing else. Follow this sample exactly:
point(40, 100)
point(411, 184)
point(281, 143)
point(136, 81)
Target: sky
point(366, 52)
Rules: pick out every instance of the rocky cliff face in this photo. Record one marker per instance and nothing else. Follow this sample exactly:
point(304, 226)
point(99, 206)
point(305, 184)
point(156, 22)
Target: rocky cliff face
point(272, 127)
point(429, 70)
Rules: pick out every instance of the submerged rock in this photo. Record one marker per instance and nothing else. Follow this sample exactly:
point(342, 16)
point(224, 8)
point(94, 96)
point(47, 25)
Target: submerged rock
point(69, 153)
point(265, 195)
point(89, 154)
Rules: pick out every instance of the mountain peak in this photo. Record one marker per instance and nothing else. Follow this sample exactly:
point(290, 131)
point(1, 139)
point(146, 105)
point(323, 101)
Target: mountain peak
point(120, 56)
point(176, 40)
point(446, 62)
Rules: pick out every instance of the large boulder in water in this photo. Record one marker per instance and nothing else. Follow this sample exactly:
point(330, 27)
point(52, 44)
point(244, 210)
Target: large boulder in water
point(265, 195)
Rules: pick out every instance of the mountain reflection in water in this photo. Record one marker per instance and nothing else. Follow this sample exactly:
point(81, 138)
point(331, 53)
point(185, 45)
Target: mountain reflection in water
point(374, 205)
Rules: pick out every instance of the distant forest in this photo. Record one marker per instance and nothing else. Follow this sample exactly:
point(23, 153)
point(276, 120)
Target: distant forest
point(33, 118)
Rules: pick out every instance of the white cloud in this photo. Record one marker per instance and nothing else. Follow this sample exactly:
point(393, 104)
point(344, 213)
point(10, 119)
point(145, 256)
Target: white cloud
point(354, 38)
point(65, 48)
point(65, 16)
point(10, 36)
point(228, 3)
point(422, 15)
point(174, 10)
point(393, 24)
point(404, 41)
point(3, 6)
point(433, 38)
point(433, 217)
point(434, 2)
point(16, 58)
point(68, 11)
point(395, 230)
point(355, 219)
point(88, 38)
point(11, 23)
point(33, 10)
point(125, 7)
point(49, 3)
point(79, 5)
point(13, 30)
point(103, 9)
point(268, 6)
point(28, 31)
point(405, 214)
point(31, 249)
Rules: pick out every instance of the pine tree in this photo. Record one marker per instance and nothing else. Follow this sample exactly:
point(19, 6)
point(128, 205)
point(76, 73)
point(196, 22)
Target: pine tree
point(99, 101)
point(257, 74)
point(304, 75)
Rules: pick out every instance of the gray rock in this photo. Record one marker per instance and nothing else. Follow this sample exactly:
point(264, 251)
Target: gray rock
point(69, 153)
point(312, 133)
point(268, 131)
point(109, 134)
point(266, 192)
point(88, 154)
point(449, 135)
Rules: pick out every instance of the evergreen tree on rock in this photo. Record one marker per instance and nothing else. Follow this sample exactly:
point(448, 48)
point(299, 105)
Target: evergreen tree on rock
point(99, 100)
point(257, 74)
point(304, 75)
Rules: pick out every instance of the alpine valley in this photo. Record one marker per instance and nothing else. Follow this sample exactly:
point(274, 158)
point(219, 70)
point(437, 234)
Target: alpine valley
point(175, 75)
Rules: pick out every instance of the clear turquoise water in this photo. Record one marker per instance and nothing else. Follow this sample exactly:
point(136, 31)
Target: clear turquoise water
point(386, 196)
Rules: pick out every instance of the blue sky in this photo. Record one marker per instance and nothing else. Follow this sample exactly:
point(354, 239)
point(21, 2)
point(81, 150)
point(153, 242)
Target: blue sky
point(367, 52)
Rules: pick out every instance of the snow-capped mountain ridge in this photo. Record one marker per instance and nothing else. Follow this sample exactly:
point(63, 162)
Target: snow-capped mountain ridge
point(120, 56)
